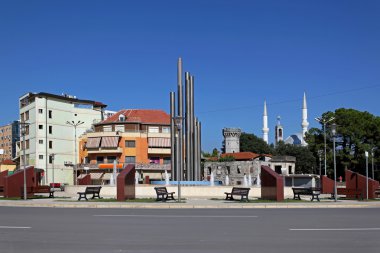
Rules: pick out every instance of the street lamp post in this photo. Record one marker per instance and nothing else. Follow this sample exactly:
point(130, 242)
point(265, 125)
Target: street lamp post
point(373, 164)
point(23, 132)
point(320, 166)
point(52, 162)
point(324, 122)
point(75, 124)
point(178, 125)
point(333, 131)
point(366, 171)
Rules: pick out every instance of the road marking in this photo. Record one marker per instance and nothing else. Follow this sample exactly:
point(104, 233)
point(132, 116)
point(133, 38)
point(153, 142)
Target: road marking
point(173, 216)
point(334, 229)
point(10, 227)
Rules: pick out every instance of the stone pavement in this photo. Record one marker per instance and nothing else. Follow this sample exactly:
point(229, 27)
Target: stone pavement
point(189, 203)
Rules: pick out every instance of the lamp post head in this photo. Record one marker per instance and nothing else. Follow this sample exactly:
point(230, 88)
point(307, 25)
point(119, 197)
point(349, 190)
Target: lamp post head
point(333, 129)
point(366, 154)
point(178, 122)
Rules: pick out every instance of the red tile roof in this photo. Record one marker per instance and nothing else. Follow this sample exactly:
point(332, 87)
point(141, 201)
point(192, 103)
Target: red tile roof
point(241, 156)
point(145, 116)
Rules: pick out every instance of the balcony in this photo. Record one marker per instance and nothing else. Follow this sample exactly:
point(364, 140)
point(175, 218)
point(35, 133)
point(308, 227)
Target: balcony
point(164, 151)
point(104, 150)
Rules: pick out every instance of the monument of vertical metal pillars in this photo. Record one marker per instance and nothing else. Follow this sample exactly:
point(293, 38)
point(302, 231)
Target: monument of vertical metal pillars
point(187, 158)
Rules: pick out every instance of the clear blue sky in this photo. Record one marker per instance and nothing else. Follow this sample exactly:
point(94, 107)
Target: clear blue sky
point(124, 54)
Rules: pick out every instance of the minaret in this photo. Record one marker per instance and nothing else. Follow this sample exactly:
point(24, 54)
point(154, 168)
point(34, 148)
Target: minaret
point(265, 123)
point(305, 123)
point(279, 135)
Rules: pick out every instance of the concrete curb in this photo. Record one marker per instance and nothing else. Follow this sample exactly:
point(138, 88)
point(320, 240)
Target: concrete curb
point(207, 205)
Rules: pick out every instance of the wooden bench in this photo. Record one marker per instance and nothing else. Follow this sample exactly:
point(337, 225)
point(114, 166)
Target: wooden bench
point(309, 191)
point(37, 189)
point(238, 191)
point(44, 189)
point(163, 194)
point(356, 193)
point(57, 186)
point(94, 190)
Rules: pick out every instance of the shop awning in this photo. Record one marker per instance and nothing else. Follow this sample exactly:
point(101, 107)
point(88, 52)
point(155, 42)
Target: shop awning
point(110, 142)
point(159, 142)
point(107, 176)
point(95, 176)
point(93, 142)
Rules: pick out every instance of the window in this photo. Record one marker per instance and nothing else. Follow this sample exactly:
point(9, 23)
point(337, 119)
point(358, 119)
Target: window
point(99, 159)
point(40, 111)
point(107, 128)
point(50, 129)
point(40, 127)
point(41, 157)
point(22, 117)
point(50, 144)
point(26, 129)
point(50, 159)
point(130, 144)
point(167, 160)
point(111, 159)
point(50, 114)
point(27, 144)
point(155, 160)
point(40, 141)
point(130, 159)
point(166, 130)
point(27, 115)
point(153, 129)
point(119, 128)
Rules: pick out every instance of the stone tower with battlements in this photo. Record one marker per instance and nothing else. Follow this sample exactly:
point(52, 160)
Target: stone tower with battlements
point(231, 140)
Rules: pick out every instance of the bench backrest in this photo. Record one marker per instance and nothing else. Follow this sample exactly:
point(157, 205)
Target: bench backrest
point(93, 189)
point(302, 190)
point(240, 190)
point(161, 190)
point(41, 189)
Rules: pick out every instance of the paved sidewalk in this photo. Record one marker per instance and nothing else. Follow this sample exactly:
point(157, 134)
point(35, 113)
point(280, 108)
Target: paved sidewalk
point(189, 203)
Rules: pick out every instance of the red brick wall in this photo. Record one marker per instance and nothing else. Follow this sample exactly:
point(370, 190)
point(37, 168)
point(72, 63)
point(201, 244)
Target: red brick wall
point(357, 181)
point(272, 184)
point(327, 185)
point(14, 183)
point(3, 174)
point(126, 183)
point(86, 180)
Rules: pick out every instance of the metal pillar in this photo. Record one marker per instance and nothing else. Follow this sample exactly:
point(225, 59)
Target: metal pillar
point(172, 136)
point(192, 147)
point(187, 122)
point(24, 158)
point(180, 111)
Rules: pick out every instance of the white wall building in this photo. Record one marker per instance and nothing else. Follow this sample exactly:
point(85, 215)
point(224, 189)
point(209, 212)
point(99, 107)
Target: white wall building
point(48, 133)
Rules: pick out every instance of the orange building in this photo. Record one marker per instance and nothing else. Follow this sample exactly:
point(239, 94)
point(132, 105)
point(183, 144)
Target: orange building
point(137, 136)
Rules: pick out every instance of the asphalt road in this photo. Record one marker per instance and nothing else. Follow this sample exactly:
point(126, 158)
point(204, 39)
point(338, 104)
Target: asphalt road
point(189, 230)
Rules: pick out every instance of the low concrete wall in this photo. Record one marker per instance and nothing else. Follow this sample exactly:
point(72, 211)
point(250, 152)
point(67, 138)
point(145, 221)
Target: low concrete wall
point(147, 191)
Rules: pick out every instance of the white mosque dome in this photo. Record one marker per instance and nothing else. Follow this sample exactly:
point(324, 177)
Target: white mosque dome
point(296, 139)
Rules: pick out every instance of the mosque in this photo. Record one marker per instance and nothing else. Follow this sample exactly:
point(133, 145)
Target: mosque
point(294, 139)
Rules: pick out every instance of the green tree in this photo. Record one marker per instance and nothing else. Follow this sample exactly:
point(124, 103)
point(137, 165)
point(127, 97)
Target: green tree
point(252, 143)
point(357, 132)
point(215, 153)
